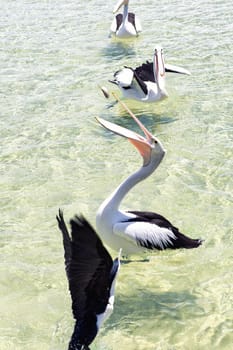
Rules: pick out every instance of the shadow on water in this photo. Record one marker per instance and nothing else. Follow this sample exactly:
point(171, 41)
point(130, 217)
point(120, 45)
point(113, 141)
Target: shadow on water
point(151, 120)
point(116, 50)
point(145, 305)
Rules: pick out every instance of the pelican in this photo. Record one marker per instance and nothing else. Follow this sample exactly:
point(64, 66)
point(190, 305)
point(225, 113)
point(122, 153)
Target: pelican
point(125, 25)
point(138, 231)
point(91, 274)
point(146, 83)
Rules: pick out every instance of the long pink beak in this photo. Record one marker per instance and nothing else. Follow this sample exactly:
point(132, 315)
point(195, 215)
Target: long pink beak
point(143, 144)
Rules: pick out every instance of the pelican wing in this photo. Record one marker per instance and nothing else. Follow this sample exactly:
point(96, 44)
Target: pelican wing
point(66, 240)
point(89, 273)
point(116, 22)
point(90, 268)
point(178, 240)
point(153, 231)
point(131, 19)
point(145, 234)
point(145, 71)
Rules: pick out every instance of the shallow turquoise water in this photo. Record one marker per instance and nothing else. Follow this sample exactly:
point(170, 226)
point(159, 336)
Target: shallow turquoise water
point(53, 154)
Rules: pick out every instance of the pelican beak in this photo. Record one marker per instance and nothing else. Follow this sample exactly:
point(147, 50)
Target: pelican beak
point(118, 5)
point(143, 144)
point(159, 69)
point(113, 82)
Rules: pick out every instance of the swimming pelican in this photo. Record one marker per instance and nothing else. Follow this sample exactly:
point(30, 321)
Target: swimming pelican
point(125, 25)
point(138, 231)
point(91, 274)
point(146, 83)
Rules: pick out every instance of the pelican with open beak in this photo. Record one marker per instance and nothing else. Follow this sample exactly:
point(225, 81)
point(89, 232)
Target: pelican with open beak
point(138, 231)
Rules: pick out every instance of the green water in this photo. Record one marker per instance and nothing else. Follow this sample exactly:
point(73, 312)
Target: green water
point(53, 154)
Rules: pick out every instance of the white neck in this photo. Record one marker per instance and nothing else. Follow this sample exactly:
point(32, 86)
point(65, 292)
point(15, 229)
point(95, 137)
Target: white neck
point(113, 201)
point(125, 13)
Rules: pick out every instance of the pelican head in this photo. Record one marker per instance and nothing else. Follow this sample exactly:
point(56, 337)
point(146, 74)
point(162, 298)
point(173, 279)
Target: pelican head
point(119, 4)
point(148, 146)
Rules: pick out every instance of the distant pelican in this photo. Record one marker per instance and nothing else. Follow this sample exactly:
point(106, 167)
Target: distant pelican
point(125, 25)
point(146, 83)
point(91, 274)
point(138, 231)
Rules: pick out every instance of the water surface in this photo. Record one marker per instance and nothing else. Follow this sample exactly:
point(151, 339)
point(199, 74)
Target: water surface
point(53, 154)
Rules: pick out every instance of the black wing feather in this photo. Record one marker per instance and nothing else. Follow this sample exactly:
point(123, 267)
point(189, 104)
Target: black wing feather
point(66, 240)
point(89, 273)
point(145, 72)
point(119, 19)
point(131, 19)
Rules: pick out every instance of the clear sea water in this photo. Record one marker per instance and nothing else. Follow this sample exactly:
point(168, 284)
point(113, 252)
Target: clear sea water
point(53, 154)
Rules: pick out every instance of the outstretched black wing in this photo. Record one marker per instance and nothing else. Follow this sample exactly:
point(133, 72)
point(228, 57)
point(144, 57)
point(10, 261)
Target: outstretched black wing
point(88, 266)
